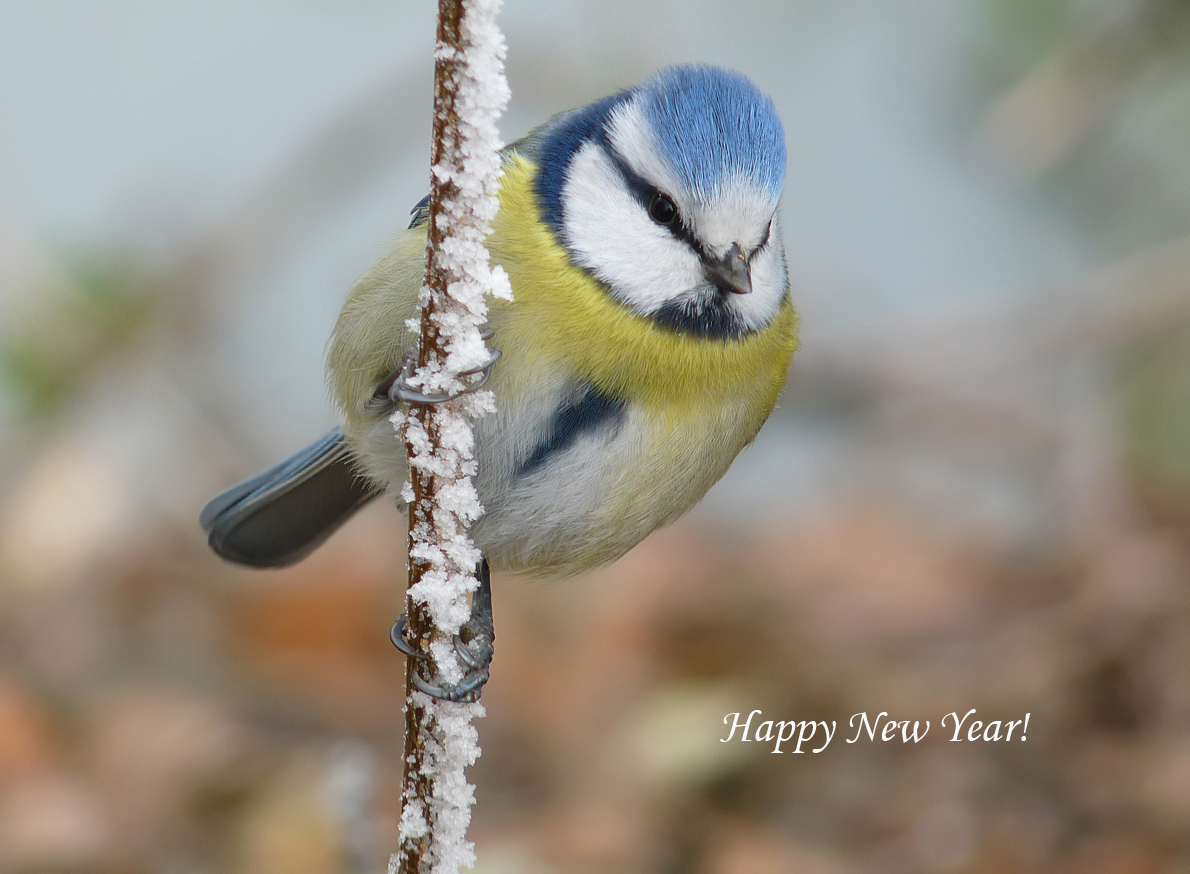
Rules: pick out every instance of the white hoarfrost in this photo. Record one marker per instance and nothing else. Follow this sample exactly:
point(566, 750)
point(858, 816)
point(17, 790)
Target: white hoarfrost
point(471, 161)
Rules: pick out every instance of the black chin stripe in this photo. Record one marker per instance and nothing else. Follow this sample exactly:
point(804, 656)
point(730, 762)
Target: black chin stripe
point(590, 412)
point(712, 319)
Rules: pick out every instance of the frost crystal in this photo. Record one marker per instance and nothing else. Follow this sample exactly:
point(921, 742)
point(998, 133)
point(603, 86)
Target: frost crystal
point(469, 170)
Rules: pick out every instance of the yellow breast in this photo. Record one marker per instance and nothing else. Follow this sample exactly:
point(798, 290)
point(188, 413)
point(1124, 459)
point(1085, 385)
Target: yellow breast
point(566, 320)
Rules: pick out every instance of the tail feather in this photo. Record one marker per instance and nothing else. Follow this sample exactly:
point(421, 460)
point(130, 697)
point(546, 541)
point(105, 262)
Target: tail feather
point(281, 515)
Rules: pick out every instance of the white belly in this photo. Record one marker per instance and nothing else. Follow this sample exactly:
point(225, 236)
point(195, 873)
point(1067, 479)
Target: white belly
point(585, 504)
point(549, 519)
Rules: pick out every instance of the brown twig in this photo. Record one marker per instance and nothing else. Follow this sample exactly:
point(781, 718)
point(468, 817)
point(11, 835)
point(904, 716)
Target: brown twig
point(425, 732)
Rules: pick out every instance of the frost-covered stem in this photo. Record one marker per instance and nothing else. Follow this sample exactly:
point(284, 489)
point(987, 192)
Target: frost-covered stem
point(440, 742)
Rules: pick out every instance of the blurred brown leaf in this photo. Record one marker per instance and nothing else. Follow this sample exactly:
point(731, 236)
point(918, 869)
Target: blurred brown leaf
point(26, 745)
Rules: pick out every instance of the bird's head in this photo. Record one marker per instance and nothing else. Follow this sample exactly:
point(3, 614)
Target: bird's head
point(667, 194)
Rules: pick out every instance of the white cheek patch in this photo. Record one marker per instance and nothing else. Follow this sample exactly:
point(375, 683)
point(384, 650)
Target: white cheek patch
point(610, 234)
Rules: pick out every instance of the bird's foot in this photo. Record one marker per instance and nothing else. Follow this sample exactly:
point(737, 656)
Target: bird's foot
point(396, 389)
point(474, 644)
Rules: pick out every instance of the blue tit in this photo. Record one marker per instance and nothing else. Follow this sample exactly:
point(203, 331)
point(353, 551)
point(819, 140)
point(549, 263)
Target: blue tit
point(649, 335)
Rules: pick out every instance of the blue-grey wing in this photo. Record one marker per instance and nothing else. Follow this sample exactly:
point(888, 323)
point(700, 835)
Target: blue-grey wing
point(282, 514)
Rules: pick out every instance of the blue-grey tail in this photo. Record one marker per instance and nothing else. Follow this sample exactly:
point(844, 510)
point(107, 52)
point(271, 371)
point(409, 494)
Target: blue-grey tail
point(281, 515)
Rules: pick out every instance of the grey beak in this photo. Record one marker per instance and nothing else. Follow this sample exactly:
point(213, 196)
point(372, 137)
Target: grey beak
point(730, 274)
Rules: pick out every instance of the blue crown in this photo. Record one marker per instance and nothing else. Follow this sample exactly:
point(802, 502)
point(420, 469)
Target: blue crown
point(713, 124)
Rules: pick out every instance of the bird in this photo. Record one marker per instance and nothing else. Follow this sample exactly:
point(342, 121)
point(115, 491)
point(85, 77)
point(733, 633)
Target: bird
point(649, 335)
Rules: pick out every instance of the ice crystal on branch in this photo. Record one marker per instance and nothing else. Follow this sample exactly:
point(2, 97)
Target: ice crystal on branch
point(470, 92)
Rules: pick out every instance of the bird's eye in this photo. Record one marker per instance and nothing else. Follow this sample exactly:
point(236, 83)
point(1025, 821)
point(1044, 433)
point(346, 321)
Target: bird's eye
point(662, 210)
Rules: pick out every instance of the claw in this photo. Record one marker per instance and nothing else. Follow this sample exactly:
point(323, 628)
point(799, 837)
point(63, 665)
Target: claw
point(474, 644)
point(466, 691)
point(397, 635)
point(464, 653)
point(395, 389)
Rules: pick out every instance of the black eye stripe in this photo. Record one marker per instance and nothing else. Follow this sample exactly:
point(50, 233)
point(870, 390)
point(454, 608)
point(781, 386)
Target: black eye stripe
point(641, 190)
point(644, 192)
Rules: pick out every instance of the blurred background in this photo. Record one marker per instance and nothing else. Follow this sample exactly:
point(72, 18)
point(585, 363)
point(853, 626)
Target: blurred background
point(975, 492)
